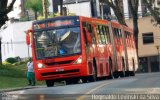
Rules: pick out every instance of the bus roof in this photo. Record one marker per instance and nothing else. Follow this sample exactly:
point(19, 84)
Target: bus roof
point(55, 18)
point(77, 17)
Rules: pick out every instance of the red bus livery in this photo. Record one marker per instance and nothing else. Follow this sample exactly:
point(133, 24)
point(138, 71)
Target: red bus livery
point(74, 47)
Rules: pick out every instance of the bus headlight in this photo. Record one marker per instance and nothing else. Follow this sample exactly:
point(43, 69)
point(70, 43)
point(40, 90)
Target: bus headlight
point(78, 61)
point(40, 65)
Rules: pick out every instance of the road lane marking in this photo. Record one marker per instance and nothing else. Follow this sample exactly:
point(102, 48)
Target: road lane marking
point(104, 84)
point(92, 90)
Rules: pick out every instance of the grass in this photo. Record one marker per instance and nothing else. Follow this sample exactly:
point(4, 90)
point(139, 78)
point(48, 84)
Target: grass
point(12, 82)
point(12, 71)
point(14, 75)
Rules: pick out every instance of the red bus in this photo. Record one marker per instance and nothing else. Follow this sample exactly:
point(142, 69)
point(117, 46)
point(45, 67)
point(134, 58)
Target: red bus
point(75, 47)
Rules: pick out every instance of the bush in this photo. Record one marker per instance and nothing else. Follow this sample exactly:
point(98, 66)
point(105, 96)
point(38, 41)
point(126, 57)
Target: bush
point(6, 63)
point(11, 60)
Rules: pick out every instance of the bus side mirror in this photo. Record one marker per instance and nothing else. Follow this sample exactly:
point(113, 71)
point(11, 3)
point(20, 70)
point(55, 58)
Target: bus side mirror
point(28, 37)
point(87, 36)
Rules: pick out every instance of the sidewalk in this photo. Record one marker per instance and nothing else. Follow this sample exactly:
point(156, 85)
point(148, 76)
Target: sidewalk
point(19, 88)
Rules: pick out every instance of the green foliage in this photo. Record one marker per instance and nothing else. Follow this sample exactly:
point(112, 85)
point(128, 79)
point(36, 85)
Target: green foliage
point(12, 71)
point(71, 14)
point(12, 82)
point(18, 63)
point(147, 14)
point(50, 16)
point(11, 60)
point(23, 19)
point(35, 5)
point(40, 18)
point(14, 75)
point(54, 15)
point(16, 69)
point(6, 63)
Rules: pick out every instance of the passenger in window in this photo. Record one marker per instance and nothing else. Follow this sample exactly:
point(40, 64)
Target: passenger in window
point(69, 40)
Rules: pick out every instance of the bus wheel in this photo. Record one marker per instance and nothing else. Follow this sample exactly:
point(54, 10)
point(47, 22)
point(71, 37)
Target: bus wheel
point(84, 80)
point(68, 82)
point(49, 83)
point(127, 73)
point(75, 80)
point(110, 69)
point(93, 78)
point(132, 73)
point(116, 75)
point(122, 73)
point(72, 81)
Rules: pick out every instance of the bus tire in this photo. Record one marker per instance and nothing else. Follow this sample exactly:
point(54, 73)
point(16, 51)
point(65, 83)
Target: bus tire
point(68, 82)
point(72, 81)
point(93, 78)
point(85, 80)
point(110, 69)
point(132, 73)
point(127, 73)
point(49, 83)
point(122, 73)
point(116, 75)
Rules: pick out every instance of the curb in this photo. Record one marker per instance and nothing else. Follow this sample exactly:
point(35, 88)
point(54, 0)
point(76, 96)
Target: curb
point(19, 88)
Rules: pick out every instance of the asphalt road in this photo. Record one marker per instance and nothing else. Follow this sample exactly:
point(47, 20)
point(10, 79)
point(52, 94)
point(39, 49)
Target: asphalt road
point(141, 87)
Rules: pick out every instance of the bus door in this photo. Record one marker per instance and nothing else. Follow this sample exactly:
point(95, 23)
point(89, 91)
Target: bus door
point(102, 50)
point(108, 50)
point(91, 50)
point(119, 48)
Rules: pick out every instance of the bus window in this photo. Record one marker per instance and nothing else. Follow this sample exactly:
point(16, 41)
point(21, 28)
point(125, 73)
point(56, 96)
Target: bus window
point(102, 35)
point(58, 42)
point(127, 36)
point(105, 34)
point(83, 24)
point(120, 33)
point(130, 39)
point(108, 35)
point(90, 29)
point(98, 33)
point(115, 32)
point(93, 36)
point(120, 36)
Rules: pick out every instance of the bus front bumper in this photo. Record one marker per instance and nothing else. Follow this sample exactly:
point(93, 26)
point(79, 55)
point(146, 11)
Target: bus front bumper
point(61, 72)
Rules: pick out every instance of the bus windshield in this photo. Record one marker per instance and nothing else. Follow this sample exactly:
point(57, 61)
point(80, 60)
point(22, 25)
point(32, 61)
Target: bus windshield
point(57, 42)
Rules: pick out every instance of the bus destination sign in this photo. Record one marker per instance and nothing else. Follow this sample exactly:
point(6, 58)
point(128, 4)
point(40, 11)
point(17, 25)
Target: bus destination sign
point(56, 23)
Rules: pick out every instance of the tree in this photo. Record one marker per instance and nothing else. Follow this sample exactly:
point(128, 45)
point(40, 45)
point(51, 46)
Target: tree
point(35, 5)
point(155, 11)
point(117, 8)
point(61, 7)
point(45, 12)
point(4, 10)
point(133, 6)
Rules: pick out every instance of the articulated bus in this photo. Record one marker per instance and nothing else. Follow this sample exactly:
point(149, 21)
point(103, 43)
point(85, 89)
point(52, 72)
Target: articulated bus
point(70, 48)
